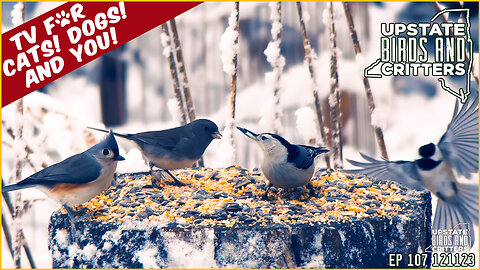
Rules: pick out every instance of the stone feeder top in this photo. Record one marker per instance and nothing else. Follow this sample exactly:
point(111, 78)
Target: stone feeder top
point(232, 196)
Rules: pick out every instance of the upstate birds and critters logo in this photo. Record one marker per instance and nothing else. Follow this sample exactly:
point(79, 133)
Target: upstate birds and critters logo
point(457, 239)
point(430, 48)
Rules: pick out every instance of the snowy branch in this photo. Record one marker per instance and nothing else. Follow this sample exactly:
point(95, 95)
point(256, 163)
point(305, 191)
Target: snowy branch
point(6, 229)
point(308, 57)
point(180, 64)
point(168, 52)
point(276, 60)
point(21, 155)
point(18, 14)
point(19, 150)
point(334, 98)
point(182, 71)
point(229, 54)
point(366, 82)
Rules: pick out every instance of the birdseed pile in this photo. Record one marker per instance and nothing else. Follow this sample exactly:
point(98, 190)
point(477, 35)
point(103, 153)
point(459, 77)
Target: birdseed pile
point(234, 196)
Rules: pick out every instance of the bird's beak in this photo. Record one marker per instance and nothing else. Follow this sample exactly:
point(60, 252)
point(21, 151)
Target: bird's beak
point(248, 133)
point(217, 135)
point(118, 158)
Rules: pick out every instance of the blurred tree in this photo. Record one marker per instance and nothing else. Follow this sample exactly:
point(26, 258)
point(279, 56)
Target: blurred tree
point(112, 88)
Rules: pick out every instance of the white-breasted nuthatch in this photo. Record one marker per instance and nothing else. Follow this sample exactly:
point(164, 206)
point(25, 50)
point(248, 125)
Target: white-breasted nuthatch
point(285, 165)
point(457, 151)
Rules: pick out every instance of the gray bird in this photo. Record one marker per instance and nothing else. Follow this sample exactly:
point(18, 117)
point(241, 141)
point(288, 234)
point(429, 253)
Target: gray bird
point(457, 151)
point(78, 178)
point(285, 165)
point(174, 148)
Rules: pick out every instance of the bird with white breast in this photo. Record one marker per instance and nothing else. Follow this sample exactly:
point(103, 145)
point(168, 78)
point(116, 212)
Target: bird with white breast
point(285, 165)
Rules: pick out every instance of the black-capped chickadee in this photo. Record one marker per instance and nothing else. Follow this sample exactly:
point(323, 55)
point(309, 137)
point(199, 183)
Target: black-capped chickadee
point(456, 151)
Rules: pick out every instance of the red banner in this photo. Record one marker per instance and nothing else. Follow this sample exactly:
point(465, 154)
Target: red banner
point(71, 35)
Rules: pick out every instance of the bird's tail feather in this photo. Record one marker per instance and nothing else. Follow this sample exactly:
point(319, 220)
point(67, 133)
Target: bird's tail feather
point(16, 187)
point(321, 150)
point(127, 136)
point(461, 213)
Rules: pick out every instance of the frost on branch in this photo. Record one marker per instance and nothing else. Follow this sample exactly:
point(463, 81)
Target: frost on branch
point(17, 14)
point(229, 45)
point(277, 61)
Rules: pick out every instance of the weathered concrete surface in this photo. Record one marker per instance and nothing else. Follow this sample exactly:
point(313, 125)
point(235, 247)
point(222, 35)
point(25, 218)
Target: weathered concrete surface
point(137, 243)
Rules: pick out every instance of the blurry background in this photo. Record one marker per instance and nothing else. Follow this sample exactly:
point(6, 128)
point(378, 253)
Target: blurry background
point(412, 111)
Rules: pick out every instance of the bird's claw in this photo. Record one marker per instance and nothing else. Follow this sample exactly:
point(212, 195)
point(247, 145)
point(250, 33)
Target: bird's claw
point(175, 179)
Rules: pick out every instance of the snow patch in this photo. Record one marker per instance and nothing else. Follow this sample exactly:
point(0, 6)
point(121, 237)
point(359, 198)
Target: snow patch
point(197, 252)
point(379, 118)
point(317, 260)
point(274, 57)
point(146, 256)
point(228, 48)
point(73, 251)
point(89, 251)
point(326, 16)
point(17, 14)
point(342, 237)
point(165, 40)
point(400, 229)
point(267, 121)
point(305, 16)
point(107, 246)
point(305, 120)
point(173, 108)
point(226, 151)
point(113, 235)
point(62, 238)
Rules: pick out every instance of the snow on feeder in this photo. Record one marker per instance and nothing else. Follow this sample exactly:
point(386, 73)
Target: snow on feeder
point(219, 220)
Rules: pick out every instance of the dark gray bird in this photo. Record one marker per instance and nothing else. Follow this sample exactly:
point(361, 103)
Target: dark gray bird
point(285, 165)
point(457, 151)
point(78, 178)
point(174, 148)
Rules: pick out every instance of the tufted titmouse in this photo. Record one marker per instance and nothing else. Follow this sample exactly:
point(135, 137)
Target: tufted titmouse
point(78, 178)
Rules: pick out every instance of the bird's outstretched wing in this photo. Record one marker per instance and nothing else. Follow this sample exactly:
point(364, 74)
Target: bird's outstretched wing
point(77, 169)
point(459, 144)
point(460, 212)
point(402, 172)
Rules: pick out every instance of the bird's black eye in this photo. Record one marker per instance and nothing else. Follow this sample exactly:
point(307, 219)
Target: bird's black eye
point(263, 138)
point(206, 128)
point(106, 152)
